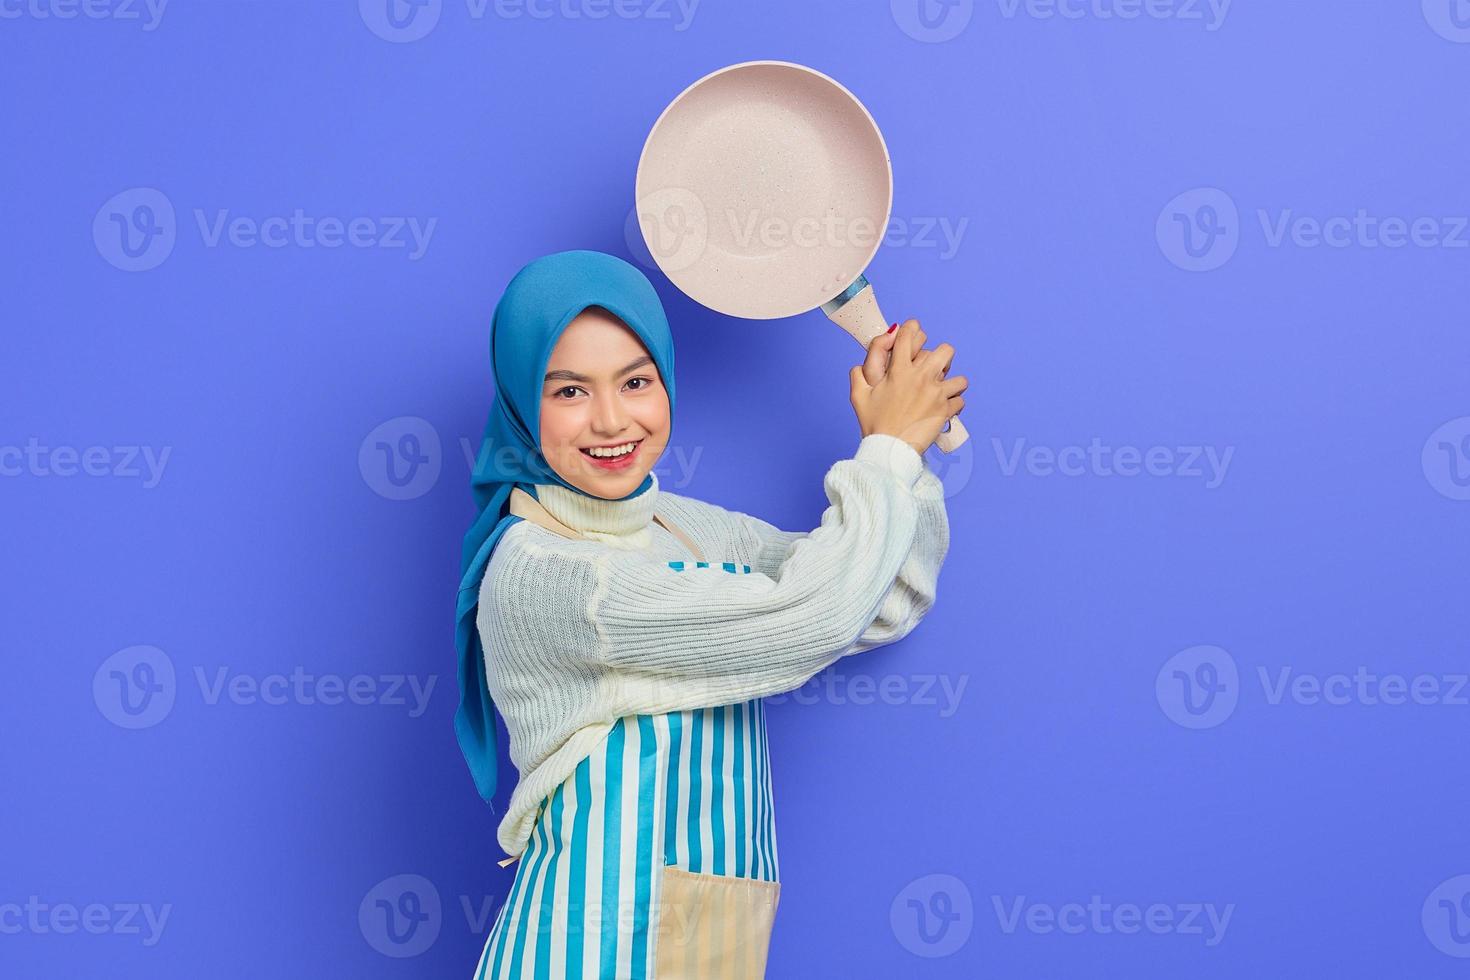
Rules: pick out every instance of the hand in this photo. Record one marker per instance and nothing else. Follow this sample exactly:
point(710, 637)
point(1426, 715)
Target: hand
point(913, 399)
point(879, 350)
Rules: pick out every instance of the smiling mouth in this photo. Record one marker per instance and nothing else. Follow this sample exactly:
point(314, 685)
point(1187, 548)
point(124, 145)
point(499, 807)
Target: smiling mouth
point(614, 457)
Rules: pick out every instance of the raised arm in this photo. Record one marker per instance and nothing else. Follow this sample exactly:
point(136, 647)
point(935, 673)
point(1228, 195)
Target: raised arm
point(915, 586)
point(701, 637)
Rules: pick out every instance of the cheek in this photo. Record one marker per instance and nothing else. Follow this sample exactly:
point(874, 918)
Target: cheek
point(654, 414)
point(560, 425)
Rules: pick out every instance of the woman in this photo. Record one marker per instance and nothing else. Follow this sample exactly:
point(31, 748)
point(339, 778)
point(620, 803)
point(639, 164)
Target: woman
point(627, 634)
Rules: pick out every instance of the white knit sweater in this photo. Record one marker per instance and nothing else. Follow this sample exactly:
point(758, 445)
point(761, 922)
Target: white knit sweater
point(578, 633)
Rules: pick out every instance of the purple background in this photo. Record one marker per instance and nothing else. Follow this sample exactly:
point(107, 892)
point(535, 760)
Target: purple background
point(1336, 540)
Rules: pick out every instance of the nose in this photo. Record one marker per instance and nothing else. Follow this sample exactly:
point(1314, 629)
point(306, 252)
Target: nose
point(609, 416)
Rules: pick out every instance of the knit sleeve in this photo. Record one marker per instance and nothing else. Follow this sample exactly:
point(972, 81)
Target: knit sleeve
point(707, 636)
point(916, 585)
point(559, 618)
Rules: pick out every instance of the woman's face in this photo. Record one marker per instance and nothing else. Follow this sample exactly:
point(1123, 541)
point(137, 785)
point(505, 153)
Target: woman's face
point(602, 389)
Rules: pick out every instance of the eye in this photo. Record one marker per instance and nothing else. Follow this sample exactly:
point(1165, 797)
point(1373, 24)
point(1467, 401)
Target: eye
point(647, 382)
point(560, 391)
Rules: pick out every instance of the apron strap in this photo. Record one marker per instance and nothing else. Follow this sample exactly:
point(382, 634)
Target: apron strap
point(523, 505)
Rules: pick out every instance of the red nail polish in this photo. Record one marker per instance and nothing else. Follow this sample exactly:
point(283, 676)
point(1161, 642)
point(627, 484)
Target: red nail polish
point(893, 328)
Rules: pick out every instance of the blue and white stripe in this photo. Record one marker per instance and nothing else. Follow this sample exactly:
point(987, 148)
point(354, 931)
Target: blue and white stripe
point(690, 788)
point(728, 566)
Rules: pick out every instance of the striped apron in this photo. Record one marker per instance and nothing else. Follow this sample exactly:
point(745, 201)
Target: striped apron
point(656, 858)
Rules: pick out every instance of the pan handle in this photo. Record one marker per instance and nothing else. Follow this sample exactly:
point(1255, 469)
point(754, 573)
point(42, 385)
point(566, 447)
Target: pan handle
point(859, 315)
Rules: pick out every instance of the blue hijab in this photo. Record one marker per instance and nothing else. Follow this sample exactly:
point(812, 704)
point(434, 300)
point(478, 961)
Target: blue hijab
point(537, 305)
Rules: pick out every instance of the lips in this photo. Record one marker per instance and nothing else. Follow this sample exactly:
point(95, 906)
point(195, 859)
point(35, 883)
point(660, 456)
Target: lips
point(615, 462)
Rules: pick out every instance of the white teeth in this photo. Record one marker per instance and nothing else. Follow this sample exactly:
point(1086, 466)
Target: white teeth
point(611, 453)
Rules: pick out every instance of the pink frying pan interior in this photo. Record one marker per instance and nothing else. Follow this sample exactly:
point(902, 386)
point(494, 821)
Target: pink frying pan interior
point(764, 189)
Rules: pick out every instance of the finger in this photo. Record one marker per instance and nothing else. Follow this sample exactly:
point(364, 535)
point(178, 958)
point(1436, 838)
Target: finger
point(875, 368)
point(943, 355)
point(875, 365)
point(857, 384)
point(953, 386)
point(903, 344)
point(881, 344)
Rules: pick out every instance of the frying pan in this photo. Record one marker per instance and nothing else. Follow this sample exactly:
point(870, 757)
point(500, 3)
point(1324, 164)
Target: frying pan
point(763, 191)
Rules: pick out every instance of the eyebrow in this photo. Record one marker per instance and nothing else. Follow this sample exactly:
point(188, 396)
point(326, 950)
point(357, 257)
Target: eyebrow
point(574, 376)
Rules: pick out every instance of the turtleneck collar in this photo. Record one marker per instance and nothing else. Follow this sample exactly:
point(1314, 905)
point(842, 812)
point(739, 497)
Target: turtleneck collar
point(623, 523)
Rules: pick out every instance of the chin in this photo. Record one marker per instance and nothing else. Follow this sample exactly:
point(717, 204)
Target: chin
point(608, 486)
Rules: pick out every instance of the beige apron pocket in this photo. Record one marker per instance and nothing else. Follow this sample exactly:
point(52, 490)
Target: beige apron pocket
point(714, 927)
